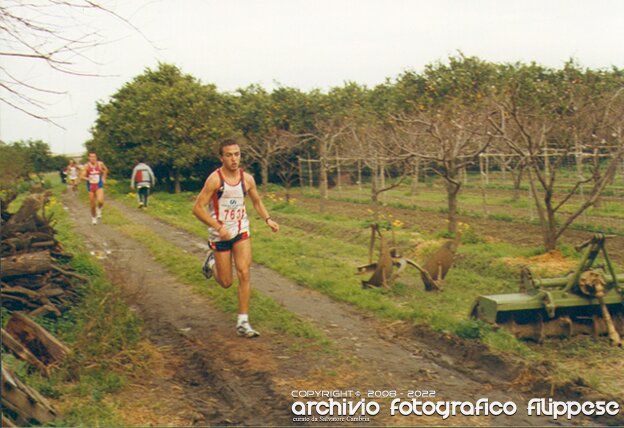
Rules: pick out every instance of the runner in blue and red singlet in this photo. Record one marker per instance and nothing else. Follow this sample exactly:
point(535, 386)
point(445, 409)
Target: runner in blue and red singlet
point(228, 227)
point(94, 173)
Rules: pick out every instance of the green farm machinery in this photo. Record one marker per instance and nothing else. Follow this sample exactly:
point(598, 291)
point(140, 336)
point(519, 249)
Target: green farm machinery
point(588, 300)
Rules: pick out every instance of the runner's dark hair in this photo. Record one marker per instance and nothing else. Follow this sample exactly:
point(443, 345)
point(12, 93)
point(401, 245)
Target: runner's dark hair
point(227, 142)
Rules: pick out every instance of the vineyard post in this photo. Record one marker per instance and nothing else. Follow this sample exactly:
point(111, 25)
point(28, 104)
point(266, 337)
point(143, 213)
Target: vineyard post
point(483, 186)
point(359, 170)
point(310, 177)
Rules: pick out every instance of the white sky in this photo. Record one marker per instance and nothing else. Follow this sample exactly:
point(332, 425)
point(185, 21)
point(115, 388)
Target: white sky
point(311, 44)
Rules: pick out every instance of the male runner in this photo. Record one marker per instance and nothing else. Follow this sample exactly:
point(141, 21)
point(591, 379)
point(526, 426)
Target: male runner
point(228, 226)
point(71, 171)
point(94, 173)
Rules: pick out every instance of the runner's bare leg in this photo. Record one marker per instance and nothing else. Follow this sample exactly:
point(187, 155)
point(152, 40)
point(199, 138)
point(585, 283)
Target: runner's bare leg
point(222, 270)
point(242, 258)
point(92, 203)
point(100, 197)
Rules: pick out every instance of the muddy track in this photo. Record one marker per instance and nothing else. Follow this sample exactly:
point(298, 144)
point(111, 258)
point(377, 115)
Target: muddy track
point(217, 378)
point(395, 357)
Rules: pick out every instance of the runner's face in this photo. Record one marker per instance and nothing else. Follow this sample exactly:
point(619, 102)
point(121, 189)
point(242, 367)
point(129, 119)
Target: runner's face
point(92, 158)
point(231, 157)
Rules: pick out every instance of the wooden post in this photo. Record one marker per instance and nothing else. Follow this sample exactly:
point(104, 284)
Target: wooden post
point(338, 172)
point(382, 173)
point(359, 169)
point(300, 172)
point(310, 177)
point(530, 197)
point(579, 171)
point(415, 176)
point(483, 191)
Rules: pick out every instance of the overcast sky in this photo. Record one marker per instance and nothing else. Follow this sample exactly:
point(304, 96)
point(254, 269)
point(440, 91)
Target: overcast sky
point(308, 44)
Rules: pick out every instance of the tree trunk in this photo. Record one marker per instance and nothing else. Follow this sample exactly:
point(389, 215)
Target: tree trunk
point(416, 173)
point(178, 187)
point(452, 190)
point(375, 193)
point(517, 180)
point(264, 174)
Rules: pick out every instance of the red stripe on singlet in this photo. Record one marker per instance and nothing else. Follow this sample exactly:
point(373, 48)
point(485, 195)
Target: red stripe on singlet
point(215, 204)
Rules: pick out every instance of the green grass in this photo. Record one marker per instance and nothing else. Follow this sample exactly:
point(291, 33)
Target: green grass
point(322, 251)
point(265, 312)
point(605, 218)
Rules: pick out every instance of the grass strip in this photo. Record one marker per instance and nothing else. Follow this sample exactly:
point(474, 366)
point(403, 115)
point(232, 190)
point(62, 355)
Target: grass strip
point(266, 313)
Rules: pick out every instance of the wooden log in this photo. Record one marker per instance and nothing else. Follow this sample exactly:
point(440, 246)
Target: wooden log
point(42, 310)
point(21, 352)
point(25, 264)
point(24, 401)
point(70, 273)
point(23, 303)
point(31, 294)
point(38, 340)
point(27, 212)
point(6, 422)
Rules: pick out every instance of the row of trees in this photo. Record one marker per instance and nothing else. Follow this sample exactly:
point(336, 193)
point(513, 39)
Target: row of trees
point(21, 158)
point(447, 115)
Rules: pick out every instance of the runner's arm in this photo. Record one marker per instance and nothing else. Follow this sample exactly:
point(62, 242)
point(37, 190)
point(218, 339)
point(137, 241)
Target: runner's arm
point(83, 173)
point(202, 200)
point(134, 170)
point(252, 191)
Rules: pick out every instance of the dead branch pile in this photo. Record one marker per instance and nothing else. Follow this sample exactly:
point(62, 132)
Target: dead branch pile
point(32, 277)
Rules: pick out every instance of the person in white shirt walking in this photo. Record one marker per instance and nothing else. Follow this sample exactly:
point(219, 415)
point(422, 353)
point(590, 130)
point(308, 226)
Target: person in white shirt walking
point(143, 180)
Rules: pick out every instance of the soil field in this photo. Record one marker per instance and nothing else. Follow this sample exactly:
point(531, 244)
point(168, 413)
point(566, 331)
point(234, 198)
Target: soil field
point(430, 222)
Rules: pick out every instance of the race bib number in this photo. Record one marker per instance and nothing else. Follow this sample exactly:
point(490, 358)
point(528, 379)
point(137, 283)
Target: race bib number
point(234, 215)
point(94, 178)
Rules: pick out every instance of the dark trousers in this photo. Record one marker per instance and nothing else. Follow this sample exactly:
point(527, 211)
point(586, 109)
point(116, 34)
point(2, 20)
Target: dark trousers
point(143, 195)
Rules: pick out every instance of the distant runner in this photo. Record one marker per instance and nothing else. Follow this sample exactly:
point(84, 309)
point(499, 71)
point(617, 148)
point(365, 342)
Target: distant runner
point(228, 227)
point(142, 179)
point(94, 173)
point(72, 172)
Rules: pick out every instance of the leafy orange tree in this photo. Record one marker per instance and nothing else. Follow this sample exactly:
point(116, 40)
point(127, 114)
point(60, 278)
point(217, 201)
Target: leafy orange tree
point(169, 118)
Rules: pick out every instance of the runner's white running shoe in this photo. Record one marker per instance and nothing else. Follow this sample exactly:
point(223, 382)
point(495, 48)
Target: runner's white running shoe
point(244, 329)
point(98, 212)
point(209, 263)
point(94, 220)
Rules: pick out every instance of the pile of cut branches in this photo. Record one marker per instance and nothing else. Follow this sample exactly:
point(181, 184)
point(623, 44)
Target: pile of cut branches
point(33, 277)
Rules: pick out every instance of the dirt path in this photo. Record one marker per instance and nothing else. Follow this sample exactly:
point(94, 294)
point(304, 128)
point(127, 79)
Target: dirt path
point(390, 357)
point(224, 379)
